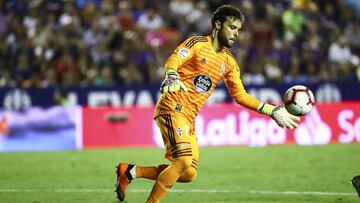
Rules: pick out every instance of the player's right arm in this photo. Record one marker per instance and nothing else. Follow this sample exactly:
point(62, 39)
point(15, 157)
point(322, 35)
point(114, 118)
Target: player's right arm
point(234, 84)
point(181, 55)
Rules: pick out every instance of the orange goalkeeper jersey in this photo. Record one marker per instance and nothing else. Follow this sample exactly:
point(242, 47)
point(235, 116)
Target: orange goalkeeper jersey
point(200, 68)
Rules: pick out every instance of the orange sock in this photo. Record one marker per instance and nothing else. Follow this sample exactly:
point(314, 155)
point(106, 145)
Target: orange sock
point(158, 192)
point(150, 172)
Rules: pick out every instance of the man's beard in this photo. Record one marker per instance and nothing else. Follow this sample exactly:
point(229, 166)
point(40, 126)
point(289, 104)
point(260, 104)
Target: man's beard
point(223, 40)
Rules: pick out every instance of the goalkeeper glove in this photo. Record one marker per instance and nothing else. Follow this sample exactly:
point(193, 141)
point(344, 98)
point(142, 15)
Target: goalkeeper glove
point(280, 115)
point(172, 82)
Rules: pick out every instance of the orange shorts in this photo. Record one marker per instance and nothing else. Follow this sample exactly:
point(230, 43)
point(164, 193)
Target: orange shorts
point(178, 136)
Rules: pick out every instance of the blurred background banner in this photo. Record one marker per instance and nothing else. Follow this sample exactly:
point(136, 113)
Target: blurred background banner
point(114, 127)
point(38, 129)
point(76, 127)
point(146, 95)
point(223, 125)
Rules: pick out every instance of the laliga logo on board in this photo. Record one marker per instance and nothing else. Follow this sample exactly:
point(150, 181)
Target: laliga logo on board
point(241, 128)
point(234, 129)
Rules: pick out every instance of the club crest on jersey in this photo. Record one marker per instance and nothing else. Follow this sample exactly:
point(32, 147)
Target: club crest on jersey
point(223, 68)
point(183, 53)
point(202, 83)
point(179, 131)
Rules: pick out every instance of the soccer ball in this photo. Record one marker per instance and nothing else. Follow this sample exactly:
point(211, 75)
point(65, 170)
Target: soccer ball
point(299, 100)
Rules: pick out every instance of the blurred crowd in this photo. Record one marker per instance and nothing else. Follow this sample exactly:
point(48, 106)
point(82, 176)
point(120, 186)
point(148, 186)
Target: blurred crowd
point(125, 42)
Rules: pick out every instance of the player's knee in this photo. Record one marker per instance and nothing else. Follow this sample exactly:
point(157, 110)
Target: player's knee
point(184, 162)
point(189, 175)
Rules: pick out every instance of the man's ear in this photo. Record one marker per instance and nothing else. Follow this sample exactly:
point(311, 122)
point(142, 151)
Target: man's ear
point(217, 25)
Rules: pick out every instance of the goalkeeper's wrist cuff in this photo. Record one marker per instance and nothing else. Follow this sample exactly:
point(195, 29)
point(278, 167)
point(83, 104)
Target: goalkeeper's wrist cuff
point(170, 71)
point(266, 109)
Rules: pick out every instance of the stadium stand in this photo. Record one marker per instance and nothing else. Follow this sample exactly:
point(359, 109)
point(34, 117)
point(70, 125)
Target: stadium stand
point(112, 42)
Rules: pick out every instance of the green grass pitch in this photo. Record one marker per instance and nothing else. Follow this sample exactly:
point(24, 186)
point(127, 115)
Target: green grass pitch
point(226, 174)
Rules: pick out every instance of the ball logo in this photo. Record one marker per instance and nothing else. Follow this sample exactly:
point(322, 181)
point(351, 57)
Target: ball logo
point(183, 53)
point(202, 83)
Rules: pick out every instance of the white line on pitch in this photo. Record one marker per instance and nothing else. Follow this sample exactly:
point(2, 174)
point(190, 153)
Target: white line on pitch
point(84, 190)
point(302, 193)
point(90, 190)
point(5, 190)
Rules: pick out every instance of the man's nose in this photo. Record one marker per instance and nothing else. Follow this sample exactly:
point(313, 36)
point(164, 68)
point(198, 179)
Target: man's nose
point(236, 33)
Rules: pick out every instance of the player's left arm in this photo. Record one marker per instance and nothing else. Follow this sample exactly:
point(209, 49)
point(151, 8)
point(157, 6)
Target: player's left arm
point(236, 89)
point(181, 55)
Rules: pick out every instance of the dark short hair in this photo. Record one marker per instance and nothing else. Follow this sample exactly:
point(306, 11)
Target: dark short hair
point(224, 11)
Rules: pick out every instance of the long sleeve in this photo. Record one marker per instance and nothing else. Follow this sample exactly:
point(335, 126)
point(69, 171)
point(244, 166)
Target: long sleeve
point(236, 87)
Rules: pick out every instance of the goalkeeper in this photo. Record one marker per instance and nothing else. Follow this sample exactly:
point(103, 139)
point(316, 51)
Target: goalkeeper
point(191, 74)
